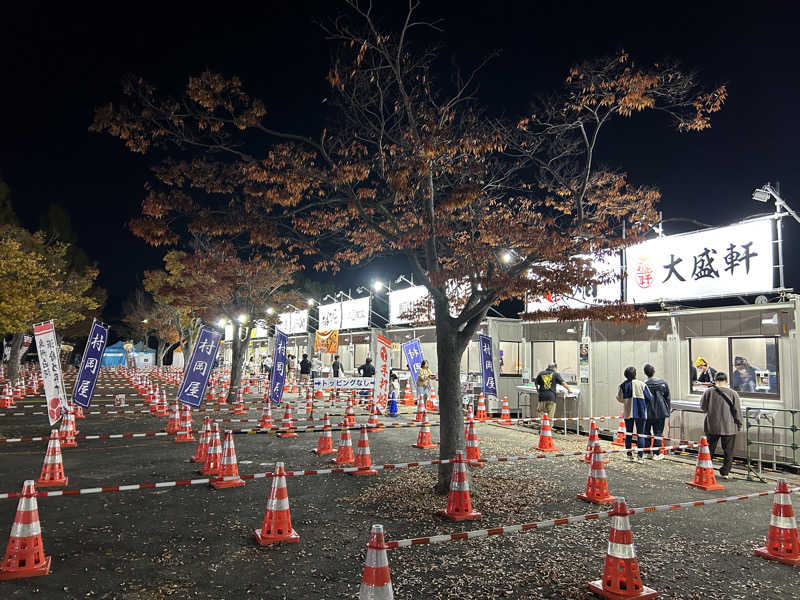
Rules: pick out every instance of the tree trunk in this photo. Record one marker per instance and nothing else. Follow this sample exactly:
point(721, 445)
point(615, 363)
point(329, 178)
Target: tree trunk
point(451, 428)
point(15, 357)
point(238, 355)
point(160, 350)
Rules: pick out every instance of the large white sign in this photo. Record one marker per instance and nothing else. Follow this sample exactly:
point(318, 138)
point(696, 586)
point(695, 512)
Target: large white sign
point(406, 301)
point(351, 314)
point(724, 261)
point(294, 322)
point(588, 296)
point(330, 316)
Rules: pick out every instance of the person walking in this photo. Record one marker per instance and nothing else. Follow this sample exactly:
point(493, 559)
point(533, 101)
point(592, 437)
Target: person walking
point(546, 383)
point(305, 369)
point(336, 367)
point(634, 395)
point(657, 410)
point(723, 420)
point(424, 377)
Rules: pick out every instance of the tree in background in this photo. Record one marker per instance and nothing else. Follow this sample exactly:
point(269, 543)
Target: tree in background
point(483, 209)
point(147, 318)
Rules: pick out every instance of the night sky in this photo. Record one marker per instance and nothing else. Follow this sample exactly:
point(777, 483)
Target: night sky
point(60, 62)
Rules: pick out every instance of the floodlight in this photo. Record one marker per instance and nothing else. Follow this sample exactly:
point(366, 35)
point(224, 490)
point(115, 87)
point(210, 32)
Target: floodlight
point(242, 318)
point(377, 286)
point(270, 310)
point(144, 320)
point(506, 256)
point(310, 301)
point(221, 323)
point(761, 194)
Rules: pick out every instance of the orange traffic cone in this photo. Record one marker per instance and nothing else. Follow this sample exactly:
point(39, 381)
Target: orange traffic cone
point(783, 544)
point(266, 417)
point(24, 555)
point(473, 448)
point(505, 413)
point(408, 397)
point(213, 454)
point(597, 483)
point(67, 431)
point(433, 400)
point(202, 444)
point(228, 469)
point(704, 471)
point(174, 422)
point(363, 457)
point(78, 410)
point(376, 582)
point(619, 440)
point(459, 503)
point(373, 423)
point(287, 427)
point(185, 429)
point(238, 408)
point(162, 410)
point(480, 413)
point(53, 466)
point(424, 440)
point(621, 577)
point(593, 435)
point(325, 442)
point(545, 435)
point(344, 453)
point(349, 414)
point(277, 525)
point(420, 410)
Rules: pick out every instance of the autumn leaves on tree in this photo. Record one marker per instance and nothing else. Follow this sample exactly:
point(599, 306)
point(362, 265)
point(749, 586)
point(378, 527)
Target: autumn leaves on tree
point(482, 208)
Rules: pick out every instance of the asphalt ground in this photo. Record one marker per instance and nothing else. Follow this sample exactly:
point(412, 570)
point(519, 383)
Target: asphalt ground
point(198, 542)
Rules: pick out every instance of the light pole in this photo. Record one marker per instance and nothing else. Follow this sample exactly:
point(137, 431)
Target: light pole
point(763, 194)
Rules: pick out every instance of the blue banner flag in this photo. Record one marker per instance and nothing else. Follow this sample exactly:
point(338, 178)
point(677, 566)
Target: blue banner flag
point(90, 365)
point(278, 376)
point(192, 390)
point(413, 353)
point(487, 366)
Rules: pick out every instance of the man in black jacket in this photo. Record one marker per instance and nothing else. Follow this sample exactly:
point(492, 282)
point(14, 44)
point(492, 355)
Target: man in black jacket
point(305, 369)
point(657, 409)
point(367, 369)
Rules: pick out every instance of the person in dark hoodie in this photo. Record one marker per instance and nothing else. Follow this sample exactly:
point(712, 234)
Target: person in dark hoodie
point(723, 420)
point(634, 395)
point(658, 409)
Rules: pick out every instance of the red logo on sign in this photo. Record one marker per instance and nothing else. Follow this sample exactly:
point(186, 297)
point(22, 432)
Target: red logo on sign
point(644, 274)
point(54, 409)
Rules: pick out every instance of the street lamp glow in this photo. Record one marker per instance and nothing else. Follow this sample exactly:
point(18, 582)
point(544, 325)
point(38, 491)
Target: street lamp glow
point(506, 257)
point(221, 323)
point(270, 310)
point(242, 318)
point(310, 301)
point(377, 286)
point(144, 320)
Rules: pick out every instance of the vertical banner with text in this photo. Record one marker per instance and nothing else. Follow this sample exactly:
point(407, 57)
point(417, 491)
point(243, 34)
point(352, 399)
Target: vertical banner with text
point(192, 390)
point(278, 376)
point(90, 365)
point(381, 390)
point(413, 354)
point(48, 349)
point(487, 366)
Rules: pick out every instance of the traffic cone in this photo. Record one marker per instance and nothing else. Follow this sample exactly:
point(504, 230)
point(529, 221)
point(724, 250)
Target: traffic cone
point(408, 397)
point(473, 447)
point(505, 413)
point(7, 398)
point(420, 410)
point(621, 577)
point(238, 408)
point(619, 440)
point(310, 412)
point(24, 555)
point(202, 444)
point(162, 409)
point(174, 422)
point(393, 407)
point(594, 434)
point(480, 413)
point(597, 483)
point(363, 459)
point(78, 410)
point(783, 544)
point(376, 582)
point(277, 525)
point(228, 468)
point(185, 429)
point(459, 503)
point(53, 466)
point(266, 417)
point(373, 423)
point(424, 440)
point(429, 403)
point(704, 477)
point(349, 414)
point(287, 427)
point(344, 453)
point(325, 442)
point(214, 454)
point(545, 436)
point(66, 432)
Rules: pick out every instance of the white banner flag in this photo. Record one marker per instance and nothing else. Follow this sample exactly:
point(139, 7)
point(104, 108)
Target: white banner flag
point(48, 350)
point(381, 391)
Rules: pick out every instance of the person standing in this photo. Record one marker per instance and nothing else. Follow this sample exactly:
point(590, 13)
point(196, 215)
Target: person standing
point(336, 367)
point(291, 368)
point(634, 395)
point(305, 369)
point(546, 383)
point(723, 420)
point(367, 369)
point(657, 410)
point(316, 367)
point(424, 377)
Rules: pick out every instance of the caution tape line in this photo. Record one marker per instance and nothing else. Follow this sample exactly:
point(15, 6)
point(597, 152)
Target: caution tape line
point(550, 523)
point(100, 436)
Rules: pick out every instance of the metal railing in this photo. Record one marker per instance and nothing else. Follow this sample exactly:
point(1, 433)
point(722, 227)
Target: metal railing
point(764, 419)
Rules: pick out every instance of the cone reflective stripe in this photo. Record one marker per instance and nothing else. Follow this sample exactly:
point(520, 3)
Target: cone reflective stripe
point(67, 432)
point(287, 429)
point(78, 410)
point(373, 423)
point(24, 555)
point(162, 410)
point(53, 466)
point(325, 442)
point(202, 444)
point(408, 397)
point(238, 408)
point(174, 422)
point(597, 483)
point(704, 477)
point(277, 525)
point(185, 429)
point(214, 453)
point(621, 577)
point(593, 435)
point(229, 468)
point(376, 582)
point(505, 413)
point(459, 503)
point(545, 435)
point(344, 453)
point(619, 440)
point(473, 448)
point(480, 413)
point(363, 458)
point(783, 543)
point(424, 440)
point(420, 410)
point(349, 414)
point(266, 416)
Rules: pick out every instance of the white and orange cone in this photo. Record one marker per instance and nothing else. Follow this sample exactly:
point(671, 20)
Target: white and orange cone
point(376, 581)
point(325, 442)
point(593, 435)
point(53, 466)
point(420, 409)
point(24, 555)
point(783, 543)
point(459, 503)
point(266, 416)
point(619, 440)
point(545, 436)
point(597, 484)
point(472, 446)
point(363, 458)
point(229, 468)
point(344, 453)
point(424, 440)
point(505, 413)
point(213, 459)
point(185, 429)
point(202, 443)
point(277, 526)
point(174, 422)
point(287, 427)
point(704, 477)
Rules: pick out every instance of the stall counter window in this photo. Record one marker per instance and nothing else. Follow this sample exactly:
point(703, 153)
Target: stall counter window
point(751, 364)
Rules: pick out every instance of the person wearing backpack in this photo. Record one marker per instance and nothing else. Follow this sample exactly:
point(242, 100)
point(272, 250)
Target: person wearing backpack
point(658, 409)
point(723, 419)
